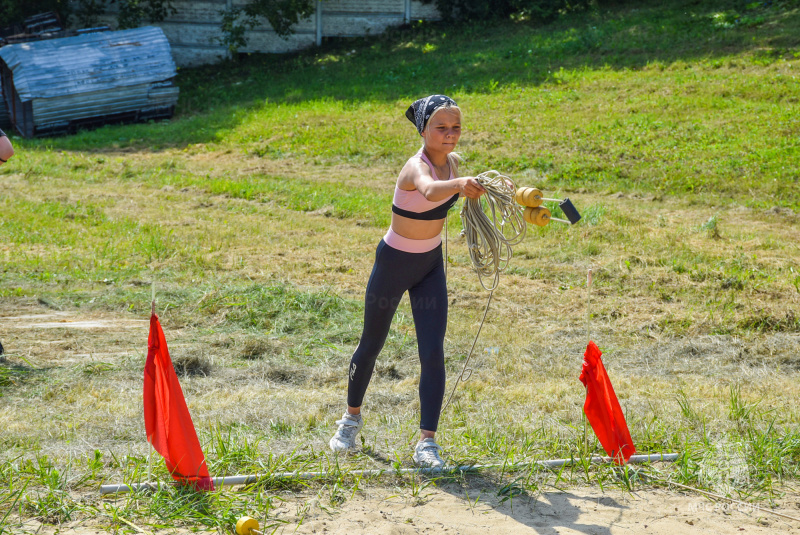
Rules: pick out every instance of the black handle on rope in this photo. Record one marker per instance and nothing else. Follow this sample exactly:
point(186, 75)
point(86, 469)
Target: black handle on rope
point(569, 210)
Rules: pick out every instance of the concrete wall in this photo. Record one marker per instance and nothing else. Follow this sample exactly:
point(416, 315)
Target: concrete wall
point(194, 31)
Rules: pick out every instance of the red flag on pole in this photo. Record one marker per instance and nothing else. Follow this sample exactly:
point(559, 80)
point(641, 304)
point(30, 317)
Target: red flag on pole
point(602, 408)
point(167, 421)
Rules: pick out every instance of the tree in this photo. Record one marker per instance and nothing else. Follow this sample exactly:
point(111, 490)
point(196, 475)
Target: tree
point(87, 12)
point(282, 15)
point(131, 12)
point(16, 11)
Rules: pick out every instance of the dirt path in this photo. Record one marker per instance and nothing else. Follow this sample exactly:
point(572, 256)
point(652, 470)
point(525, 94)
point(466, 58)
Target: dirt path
point(382, 511)
point(571, 511)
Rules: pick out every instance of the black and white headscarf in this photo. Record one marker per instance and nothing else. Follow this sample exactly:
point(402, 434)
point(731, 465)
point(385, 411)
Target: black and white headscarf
point(421, 110)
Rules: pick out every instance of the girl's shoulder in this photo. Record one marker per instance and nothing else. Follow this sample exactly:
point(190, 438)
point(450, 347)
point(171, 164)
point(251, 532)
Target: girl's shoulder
point(418, 164)
point(414, 168)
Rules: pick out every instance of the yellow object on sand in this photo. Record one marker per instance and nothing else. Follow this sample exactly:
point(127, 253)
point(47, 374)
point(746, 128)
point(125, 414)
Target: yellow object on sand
point(247, 526)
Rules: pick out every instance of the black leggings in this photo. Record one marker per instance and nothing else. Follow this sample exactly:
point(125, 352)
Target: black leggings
point(422, 275)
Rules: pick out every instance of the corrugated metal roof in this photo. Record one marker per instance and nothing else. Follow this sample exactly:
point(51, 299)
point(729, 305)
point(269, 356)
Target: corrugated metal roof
point(58, 85)
point(89, 63)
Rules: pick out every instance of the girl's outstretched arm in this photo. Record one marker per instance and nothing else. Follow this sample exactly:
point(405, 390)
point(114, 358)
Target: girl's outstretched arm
point(6, 150)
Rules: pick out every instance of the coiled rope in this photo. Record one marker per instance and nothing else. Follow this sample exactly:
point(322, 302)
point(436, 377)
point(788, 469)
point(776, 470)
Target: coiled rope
point(493, 224)
point(490, 239)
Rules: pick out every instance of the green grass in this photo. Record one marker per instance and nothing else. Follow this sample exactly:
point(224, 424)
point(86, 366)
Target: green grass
point(256, 210)
point(660, 99)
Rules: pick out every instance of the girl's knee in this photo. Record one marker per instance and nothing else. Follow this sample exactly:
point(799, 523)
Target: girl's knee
point(432, 360)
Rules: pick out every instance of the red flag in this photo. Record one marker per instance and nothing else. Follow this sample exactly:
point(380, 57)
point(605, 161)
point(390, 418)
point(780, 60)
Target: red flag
point(167, 421)
point(602, 408)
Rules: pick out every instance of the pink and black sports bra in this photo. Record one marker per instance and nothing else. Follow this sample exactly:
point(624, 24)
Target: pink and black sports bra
point(413, 205)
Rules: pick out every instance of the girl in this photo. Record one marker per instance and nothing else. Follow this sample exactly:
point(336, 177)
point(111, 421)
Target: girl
point(6, 150)
point(409, 258)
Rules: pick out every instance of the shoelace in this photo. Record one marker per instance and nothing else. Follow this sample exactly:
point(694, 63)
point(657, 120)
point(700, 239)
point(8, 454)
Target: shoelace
point(430, 451)
point(347, 427)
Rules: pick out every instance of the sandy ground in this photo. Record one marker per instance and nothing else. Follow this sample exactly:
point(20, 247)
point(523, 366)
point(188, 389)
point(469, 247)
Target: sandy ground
point(564, 512)
point(569, 511)
point(450, 508)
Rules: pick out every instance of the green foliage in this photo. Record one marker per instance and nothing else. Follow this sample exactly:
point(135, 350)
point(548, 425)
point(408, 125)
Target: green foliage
point(87, 12)
point(15, 11)
point(233, 29)
point(282, 15)
point(131, 14)
point(747, 14)
point(479, 10)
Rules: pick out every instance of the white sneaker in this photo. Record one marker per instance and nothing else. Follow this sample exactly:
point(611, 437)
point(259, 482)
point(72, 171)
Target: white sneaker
point(426, 454)
point(345, 437)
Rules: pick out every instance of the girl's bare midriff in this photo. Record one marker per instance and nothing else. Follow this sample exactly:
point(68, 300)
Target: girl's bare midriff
point(416, 229)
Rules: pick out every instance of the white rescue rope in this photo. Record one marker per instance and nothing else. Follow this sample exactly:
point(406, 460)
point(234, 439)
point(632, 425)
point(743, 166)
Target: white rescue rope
point(490, 241)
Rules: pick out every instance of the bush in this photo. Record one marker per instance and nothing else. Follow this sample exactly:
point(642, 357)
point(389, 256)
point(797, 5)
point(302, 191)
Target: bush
point(539, 10)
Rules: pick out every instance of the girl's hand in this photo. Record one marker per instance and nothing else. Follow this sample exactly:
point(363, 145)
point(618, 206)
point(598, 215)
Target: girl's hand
point(470, 187)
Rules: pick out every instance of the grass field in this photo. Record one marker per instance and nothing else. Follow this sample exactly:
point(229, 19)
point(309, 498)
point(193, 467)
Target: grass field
point(675, 130)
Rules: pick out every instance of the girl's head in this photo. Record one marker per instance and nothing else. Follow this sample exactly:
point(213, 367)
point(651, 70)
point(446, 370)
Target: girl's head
point(422, 110)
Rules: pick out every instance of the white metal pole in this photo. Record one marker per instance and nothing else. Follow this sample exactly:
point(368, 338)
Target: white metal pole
point(250, 479)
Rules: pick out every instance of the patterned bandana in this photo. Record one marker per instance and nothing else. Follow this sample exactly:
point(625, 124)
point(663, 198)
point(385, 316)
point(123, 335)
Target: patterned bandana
point(421, 110)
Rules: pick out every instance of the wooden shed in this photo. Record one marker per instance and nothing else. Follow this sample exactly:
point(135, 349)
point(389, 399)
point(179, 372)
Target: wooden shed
point(56, 86)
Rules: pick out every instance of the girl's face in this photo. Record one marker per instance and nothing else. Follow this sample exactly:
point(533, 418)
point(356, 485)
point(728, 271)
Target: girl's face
point(443, 131)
